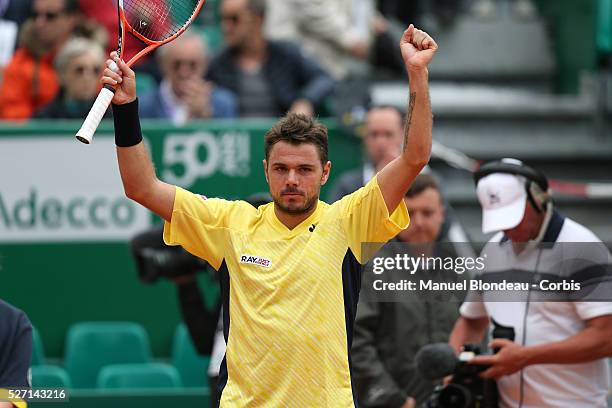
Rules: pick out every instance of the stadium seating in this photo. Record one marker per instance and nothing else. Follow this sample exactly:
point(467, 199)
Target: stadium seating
point(38, 353)
point(604, 26)
point(93, 345)
point(191, 366)
point(134, 376)
point(50, 376)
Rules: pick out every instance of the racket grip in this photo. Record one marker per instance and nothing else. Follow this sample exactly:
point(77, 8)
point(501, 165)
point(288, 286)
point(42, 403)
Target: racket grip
point(87, 130)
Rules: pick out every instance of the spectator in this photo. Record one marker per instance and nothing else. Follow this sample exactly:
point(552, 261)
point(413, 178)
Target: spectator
point(79, 64)
point(29, 79)
point(269, 77)
point(383, 138)
point(183, 94)
point(389, 332)
point(336, 33)
point(15, 347)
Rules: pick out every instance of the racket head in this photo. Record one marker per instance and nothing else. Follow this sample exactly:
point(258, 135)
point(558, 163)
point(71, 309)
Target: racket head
point(156, 22)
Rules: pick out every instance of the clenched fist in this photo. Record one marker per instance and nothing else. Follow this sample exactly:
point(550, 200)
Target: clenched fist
point(418, 48)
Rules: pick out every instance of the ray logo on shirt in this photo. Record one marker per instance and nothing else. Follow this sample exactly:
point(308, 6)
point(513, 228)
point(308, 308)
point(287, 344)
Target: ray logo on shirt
point(255, 260)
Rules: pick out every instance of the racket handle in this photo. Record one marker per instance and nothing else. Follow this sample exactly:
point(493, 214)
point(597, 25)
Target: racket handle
point(86, 133)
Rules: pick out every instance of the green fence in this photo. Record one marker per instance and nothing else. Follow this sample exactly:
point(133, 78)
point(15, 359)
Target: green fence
point(64, 223)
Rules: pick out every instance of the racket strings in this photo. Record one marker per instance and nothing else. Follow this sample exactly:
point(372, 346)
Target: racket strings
point(158, 20)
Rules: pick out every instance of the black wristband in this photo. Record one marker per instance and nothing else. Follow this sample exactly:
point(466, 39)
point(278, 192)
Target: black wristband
point(127, 124)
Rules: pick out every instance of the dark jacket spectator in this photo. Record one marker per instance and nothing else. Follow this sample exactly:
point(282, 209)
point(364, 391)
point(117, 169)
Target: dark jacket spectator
point(291, 75)
point(269, 78)
point(15, 347)
point(391, 326)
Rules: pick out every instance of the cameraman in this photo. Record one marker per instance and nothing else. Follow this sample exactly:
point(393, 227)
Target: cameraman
point(558, 358)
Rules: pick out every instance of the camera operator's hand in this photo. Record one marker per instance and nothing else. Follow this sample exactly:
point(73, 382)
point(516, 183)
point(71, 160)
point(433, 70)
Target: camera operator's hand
point(410, 403)
point(510, 358)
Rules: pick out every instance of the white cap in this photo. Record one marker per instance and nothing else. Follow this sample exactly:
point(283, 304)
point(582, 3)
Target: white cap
point(503, 198)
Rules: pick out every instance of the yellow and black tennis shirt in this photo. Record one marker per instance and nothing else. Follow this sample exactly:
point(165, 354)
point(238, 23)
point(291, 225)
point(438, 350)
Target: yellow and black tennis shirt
point(289, 296)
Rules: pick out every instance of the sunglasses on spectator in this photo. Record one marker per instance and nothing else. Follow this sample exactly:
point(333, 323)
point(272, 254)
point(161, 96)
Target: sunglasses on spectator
point(47, 15)
point(230, 18)
point(81, 70)
point(178, 64)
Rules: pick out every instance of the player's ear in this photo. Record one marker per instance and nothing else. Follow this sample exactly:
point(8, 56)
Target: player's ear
point(326, 171)
point(265, 166)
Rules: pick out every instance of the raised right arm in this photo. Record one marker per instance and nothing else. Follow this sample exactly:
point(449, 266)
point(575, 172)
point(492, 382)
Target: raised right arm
point(137, 172)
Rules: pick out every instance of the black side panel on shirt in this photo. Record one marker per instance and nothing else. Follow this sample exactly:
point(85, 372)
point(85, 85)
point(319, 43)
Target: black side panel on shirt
point(351, 284)
point(225, 296)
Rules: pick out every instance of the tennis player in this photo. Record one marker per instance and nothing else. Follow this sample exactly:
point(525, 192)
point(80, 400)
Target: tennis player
point(289, 270)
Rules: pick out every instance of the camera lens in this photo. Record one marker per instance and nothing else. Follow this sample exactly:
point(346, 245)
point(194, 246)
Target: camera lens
point(455, 396)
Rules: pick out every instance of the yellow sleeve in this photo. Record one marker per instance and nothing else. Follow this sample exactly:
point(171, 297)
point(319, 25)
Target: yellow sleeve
point(366, 220)
point(16, 402)
point(199, 225)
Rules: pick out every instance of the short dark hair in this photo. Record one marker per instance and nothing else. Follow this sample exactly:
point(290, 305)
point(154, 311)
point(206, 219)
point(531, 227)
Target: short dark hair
point(421, 183)
point(257, 7)
point(297, 128)
point(399, 111)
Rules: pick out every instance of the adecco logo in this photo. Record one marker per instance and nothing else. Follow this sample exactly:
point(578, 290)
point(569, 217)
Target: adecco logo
point(63, 192)
point(78, 212)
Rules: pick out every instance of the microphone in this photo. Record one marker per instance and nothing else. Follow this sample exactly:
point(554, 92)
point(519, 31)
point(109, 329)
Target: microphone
point(436, 361)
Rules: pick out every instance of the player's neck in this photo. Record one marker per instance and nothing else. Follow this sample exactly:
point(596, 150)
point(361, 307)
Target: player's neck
point(293, 220)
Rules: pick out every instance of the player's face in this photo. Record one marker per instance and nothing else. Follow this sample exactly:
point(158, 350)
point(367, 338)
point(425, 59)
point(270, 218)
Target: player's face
point(295, 175)
point(80, 79)
point(51, 21)
point(384, 135)
point(426, 217)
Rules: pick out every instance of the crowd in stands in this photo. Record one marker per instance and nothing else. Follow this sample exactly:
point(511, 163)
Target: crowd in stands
point(241, 58)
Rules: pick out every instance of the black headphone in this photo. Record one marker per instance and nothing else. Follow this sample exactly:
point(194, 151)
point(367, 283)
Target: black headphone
point(536, 183)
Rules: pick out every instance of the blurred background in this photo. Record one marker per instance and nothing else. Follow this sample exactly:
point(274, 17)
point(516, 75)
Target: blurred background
point(530, 79)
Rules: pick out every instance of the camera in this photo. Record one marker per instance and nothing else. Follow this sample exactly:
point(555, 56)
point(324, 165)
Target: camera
point(467, 389)
point(155, 260)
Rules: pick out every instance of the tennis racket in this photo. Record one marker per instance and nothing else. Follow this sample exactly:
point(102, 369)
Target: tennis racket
point(153, 22)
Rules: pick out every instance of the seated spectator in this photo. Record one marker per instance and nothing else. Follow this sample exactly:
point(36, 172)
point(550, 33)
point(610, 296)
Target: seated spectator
point(29, 79)
point(30, 82)
point(390, 330)
point(336, 33)
point(183, 94)
point(79, 65)
point(270, 78)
